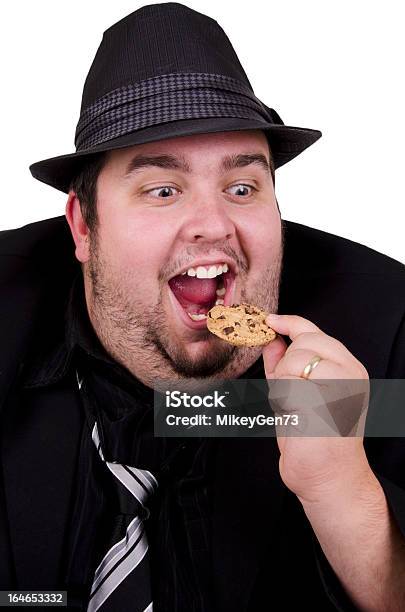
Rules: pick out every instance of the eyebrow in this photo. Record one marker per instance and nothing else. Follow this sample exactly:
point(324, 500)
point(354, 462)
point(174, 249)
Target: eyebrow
point(171, 162)
point(245, 159)
point(167, 162)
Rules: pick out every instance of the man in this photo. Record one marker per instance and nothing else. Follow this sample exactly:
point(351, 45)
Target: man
point(174, 171)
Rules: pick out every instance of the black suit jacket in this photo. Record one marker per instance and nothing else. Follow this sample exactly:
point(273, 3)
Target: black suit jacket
point(350, 291)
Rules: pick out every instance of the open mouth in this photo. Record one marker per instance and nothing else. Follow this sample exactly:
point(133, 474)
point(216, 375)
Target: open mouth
point(197, 290)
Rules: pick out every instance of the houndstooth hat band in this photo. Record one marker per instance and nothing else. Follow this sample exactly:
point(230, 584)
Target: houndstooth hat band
point(168, 97)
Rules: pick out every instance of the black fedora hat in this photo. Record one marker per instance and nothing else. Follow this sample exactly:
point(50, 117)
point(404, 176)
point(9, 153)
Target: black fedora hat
point(163, 71)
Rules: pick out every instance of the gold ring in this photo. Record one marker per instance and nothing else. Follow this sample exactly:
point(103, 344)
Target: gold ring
point(310, 366)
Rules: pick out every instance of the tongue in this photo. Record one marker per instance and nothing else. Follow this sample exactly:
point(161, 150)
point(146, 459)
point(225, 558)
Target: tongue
point(189, 289)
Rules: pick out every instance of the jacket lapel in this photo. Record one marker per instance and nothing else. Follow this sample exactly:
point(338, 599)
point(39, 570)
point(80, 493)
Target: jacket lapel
point(39, 466)
point(247, 500)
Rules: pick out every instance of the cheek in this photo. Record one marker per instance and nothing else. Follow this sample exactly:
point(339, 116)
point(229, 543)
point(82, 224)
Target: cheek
point(136, 249)
point(262, 237)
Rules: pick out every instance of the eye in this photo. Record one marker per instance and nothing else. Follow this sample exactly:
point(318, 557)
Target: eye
point(243, 190)
point(165, 191)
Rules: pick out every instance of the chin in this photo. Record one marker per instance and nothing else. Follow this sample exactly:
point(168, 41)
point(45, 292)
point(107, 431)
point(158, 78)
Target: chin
point(200, 346)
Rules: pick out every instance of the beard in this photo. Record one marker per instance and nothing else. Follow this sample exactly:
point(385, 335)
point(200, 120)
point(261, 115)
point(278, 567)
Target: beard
point(138, 337)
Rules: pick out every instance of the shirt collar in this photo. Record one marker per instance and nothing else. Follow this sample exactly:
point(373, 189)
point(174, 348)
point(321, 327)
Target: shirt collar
point(52, 363)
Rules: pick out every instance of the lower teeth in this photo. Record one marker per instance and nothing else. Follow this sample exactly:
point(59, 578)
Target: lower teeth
point(197, 317)
point(200, 317)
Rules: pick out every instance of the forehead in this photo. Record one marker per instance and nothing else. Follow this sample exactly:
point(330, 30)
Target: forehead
point(198, 147)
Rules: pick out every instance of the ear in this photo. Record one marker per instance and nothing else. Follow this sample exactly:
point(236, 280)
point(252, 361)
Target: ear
point(78, 227)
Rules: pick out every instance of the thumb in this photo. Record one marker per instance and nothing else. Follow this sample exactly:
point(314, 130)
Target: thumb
point(272, 353)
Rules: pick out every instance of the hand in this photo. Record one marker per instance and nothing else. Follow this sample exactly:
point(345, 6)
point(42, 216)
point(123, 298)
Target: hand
point(326, 448)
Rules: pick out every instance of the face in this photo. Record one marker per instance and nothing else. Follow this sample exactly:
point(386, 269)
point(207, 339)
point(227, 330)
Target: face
point(165, 208)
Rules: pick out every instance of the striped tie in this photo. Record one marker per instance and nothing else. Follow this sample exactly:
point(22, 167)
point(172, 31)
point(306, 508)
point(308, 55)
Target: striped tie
point(122, 579)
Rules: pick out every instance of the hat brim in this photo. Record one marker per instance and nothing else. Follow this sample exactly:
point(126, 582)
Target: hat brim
point(286, 142)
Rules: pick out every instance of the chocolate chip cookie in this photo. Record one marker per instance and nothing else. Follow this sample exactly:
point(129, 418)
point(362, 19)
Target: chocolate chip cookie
point(240, 325)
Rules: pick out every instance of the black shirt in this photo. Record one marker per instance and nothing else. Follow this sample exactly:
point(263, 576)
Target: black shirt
point(178, 528)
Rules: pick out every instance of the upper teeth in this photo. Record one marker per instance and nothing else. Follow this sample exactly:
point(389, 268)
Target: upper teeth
point(207, 271)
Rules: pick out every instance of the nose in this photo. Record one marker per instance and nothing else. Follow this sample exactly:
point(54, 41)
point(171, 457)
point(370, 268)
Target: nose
point(208, 220)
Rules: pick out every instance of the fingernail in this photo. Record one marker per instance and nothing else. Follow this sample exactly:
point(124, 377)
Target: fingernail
point(273, 317)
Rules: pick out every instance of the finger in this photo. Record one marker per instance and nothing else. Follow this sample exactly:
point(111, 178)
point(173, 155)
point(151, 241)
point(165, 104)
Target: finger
point(323, 345)
point(290, 325)
point(272, 353)
point(293, 364)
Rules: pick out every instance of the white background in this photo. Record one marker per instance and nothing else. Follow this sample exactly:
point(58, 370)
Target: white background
point(333, 66)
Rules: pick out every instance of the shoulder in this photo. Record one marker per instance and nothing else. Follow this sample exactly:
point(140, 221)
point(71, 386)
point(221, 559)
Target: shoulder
point(329, 253)
point(35, 239)
point(37, 266)
point(351, 291)
point(32, 254)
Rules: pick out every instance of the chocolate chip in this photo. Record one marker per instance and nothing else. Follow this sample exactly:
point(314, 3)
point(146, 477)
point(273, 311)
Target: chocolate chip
point(228, 330)
point(237, 323)
point(221, 317)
